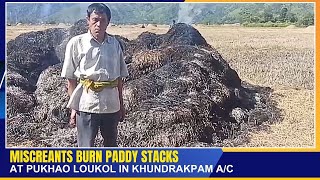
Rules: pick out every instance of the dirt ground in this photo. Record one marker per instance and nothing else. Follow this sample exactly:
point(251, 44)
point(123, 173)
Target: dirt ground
point(280, 58)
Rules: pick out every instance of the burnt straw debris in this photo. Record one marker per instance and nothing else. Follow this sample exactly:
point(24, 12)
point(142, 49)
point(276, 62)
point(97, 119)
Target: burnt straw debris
point(180, 92)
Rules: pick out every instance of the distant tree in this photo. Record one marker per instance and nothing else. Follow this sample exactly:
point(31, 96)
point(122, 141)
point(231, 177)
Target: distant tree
point(254, 19)
point(292, 18)
point(268, 16)
point(307, 20)
point(245, 16)
point(51, 22)
point(283, 14)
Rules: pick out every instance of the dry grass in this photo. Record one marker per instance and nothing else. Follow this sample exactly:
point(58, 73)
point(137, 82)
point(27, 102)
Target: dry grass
point(270, 56)
point(14, 31)
point(297, 128)
point(280, 58)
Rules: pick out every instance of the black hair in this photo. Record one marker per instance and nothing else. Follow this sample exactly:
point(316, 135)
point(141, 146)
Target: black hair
point(99, 8)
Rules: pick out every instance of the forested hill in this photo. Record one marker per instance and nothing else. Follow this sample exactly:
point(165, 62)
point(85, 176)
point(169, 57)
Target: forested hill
point(164, 13)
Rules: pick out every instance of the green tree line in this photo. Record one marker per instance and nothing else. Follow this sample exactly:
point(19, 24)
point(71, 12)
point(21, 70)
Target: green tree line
point(266, 14)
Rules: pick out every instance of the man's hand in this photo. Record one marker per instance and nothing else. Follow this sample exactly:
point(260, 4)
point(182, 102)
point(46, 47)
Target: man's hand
point(72, 83)
point(122, 113)
point(73, 120)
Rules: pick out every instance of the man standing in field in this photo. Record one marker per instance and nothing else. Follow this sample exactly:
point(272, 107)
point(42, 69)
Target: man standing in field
point(94, 68)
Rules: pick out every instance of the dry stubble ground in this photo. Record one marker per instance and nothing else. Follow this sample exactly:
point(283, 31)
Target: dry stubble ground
point(280, 58)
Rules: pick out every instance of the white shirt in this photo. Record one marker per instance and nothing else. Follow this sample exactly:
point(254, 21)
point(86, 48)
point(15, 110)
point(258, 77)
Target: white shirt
point(86, 58)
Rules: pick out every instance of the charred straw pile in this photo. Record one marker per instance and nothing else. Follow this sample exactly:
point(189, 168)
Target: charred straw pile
point(180, 91)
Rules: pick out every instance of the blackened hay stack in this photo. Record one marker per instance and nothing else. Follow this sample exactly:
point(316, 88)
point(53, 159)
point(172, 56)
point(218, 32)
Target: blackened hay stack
point(180, 92)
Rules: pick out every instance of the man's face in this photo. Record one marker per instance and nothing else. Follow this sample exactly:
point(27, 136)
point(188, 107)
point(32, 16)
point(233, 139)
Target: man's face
point(98, 23)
